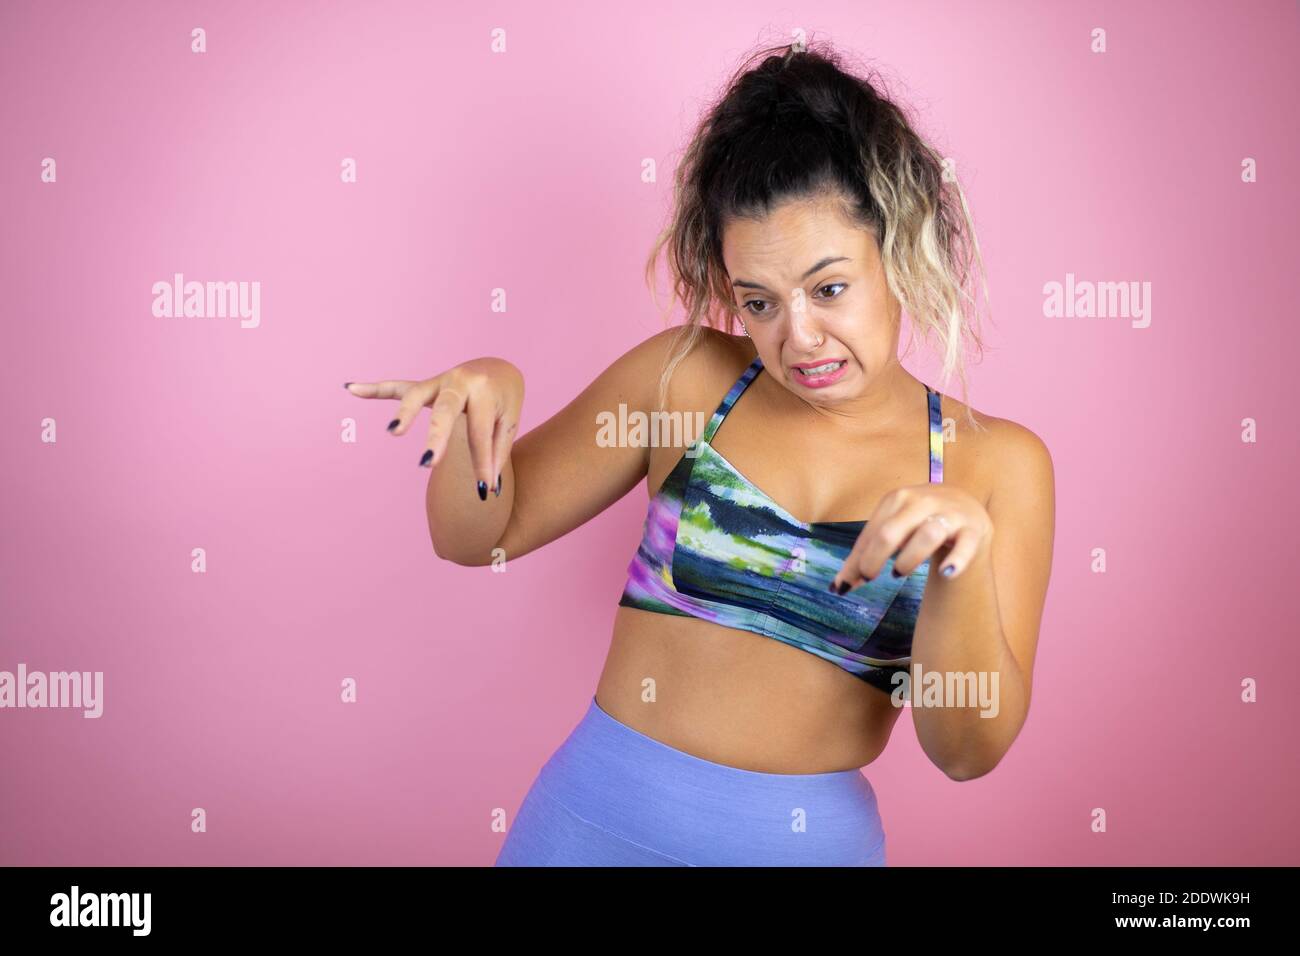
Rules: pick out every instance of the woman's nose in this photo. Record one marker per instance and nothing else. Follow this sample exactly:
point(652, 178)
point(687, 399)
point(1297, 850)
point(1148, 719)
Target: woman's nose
point(803, 331)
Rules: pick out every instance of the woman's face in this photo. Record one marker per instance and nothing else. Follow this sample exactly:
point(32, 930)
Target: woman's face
point(811, 290)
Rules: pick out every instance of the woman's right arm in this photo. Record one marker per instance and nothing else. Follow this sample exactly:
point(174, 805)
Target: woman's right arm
point(553, 479)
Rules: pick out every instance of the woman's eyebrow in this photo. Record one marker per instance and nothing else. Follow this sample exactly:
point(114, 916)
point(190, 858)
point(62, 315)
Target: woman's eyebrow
point(816, 267)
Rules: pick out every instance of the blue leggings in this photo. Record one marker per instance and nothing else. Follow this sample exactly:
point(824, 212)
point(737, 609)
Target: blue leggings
point(611, 796)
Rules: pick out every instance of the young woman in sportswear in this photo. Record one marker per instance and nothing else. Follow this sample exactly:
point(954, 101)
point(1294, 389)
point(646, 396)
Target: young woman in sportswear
point(825, 543)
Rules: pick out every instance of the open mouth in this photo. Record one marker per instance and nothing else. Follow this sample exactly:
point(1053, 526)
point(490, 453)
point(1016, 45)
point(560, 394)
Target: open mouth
point(821, 369)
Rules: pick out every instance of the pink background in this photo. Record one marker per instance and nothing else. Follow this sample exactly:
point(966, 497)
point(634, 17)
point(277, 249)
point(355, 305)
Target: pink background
point(522, 171)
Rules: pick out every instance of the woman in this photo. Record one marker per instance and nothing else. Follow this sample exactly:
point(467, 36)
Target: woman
point(773, 621)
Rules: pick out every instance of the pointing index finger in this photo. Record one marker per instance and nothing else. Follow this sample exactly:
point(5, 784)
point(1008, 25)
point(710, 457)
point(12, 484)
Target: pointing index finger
point(395, 388)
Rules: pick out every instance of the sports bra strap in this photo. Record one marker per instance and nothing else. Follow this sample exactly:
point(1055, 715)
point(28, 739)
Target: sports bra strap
point(730, 398)
point(936, 435)
point(748, 376)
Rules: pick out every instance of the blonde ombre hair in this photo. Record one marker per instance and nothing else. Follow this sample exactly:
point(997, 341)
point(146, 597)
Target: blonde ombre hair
point(799, 126)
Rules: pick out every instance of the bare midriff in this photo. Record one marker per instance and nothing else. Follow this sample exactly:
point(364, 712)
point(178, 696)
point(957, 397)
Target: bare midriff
point(739, 698)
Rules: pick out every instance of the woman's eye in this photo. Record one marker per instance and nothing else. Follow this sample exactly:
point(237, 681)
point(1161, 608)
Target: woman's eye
point(830, 285)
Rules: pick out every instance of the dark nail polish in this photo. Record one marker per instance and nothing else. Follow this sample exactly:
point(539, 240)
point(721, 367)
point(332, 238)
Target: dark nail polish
point(948, 569)
point(482, 491)
point(894, 571)
point(426, 457)
point(831, 587)
point(497, 491)
point(844, 586)
point(394, 423)
point(346, 384)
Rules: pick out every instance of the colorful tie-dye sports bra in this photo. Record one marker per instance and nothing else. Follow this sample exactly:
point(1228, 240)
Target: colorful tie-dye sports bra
point(716, 547)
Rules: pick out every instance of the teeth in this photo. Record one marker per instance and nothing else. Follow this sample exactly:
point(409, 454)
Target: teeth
point(820, 369)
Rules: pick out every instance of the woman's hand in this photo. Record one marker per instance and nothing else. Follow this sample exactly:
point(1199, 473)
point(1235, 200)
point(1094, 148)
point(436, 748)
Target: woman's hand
point(490, 391)
point(916, 522)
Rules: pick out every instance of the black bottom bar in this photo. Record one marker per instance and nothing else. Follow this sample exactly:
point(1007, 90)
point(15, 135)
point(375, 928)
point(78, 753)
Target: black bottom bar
point(916, 905)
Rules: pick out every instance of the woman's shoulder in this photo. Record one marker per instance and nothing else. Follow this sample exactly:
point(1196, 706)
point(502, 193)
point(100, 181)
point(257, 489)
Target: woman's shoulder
point(993, 451)
point(700, 365)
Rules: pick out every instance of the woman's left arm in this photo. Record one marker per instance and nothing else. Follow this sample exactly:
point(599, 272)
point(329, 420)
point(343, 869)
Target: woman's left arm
point(986, 619)
point(977, 632)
